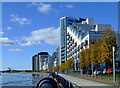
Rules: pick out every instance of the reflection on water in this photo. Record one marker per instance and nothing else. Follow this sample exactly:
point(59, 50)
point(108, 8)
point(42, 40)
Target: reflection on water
point(15, 79)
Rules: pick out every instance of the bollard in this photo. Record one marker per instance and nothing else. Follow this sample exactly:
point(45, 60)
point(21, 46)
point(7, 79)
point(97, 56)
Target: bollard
point(71, 86)
point(47, 82)
point(67, 84)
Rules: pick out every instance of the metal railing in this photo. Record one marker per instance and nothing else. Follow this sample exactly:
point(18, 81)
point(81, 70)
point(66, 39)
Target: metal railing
point(65, 83)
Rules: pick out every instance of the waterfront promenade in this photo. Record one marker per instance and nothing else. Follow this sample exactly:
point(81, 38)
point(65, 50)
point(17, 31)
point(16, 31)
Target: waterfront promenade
point(83, 83)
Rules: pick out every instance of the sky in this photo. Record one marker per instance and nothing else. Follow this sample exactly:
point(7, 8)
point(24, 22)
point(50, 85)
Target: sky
point(29, 28)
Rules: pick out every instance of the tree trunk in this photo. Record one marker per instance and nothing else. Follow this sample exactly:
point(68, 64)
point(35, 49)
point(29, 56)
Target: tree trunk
point(82, 71)
point(108, 70)
point(96, 71)
point(92, 70)
point(101, 70)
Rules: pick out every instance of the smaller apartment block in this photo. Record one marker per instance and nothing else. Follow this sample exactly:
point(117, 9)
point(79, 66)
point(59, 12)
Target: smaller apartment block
point(40, 61)
point(43, 61)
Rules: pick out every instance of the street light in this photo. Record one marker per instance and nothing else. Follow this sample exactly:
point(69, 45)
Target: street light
point(114, 74)
point(92, 70)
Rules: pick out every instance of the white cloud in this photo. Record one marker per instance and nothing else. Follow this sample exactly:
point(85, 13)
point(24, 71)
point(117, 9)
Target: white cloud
point(9, 28)
point(1, 33)
point(21, 21)
point(27, 44)
point(44, 8)
point(41, 7)
point(32, 4)
point(48, 35)
point(69, 6)
point(6, 41)
point(15, 50)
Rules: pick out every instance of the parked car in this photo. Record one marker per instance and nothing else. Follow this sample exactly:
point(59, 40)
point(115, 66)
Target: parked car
point(110, 70)
point(98, 72)
point(118, 70)
point(104, 71)
point(88, 72)
point(94, 72)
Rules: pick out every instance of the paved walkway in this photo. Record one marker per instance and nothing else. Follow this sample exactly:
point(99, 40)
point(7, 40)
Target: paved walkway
point(83, 82)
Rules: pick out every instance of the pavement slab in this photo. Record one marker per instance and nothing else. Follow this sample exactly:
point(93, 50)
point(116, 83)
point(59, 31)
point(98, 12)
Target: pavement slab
point(83, 83)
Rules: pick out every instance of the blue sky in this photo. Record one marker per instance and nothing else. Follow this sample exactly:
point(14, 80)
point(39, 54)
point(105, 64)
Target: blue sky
point(29, 28)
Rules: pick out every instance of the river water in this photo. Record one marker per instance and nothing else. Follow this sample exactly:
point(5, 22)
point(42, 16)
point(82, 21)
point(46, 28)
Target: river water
point(16, 79)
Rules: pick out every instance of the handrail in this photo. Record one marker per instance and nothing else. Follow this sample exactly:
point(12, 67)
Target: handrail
point(65, 83)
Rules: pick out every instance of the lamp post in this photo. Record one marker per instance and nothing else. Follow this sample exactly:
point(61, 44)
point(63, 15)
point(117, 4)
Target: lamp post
point(114, 73)
point(77, 64)
point(92, 70)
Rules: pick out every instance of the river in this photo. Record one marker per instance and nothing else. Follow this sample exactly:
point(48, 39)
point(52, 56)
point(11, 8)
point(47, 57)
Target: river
point(17, 79)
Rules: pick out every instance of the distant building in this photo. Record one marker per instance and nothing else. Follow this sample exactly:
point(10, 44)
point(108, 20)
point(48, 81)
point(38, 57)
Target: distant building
point(54, 54)
point(50, 62)
point(40, 61)
point(57, 59)
point(44, 57)
point(34, 63)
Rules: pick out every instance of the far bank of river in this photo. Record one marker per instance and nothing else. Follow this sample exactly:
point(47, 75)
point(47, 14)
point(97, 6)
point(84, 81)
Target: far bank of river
point(40, 73)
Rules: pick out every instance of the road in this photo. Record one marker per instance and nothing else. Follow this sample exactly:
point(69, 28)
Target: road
point(83, 83)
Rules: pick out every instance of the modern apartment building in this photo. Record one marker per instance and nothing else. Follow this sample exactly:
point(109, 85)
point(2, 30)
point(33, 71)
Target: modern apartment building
point(64, 23)
point(76, 34)
point(40, 61)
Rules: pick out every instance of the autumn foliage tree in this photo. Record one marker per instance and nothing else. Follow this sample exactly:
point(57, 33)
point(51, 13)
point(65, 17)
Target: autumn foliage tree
point(93, 51)
point(50, 69)
point(53, 69)
point(69, 64)
point(100, 53)
point(82, 58)
point(100, 50)
point(57, 68)
point(108, 41)
point(62, 67)
point(87, 61)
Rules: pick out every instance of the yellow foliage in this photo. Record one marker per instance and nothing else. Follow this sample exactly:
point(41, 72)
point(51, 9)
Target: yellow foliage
point(57, 68)
point(82, 58)
point(62, 66)
point(69, 63)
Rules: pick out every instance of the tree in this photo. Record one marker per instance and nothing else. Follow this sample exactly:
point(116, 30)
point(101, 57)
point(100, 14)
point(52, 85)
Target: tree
point(50, 69)
point(69, 63)
point(87, 61)
point(81, 59)
point(93, 53)
point(57, 68)
point(62, 67)
point(100, 53)
point(108, 41)
point(9, 69)
point(53, 69)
